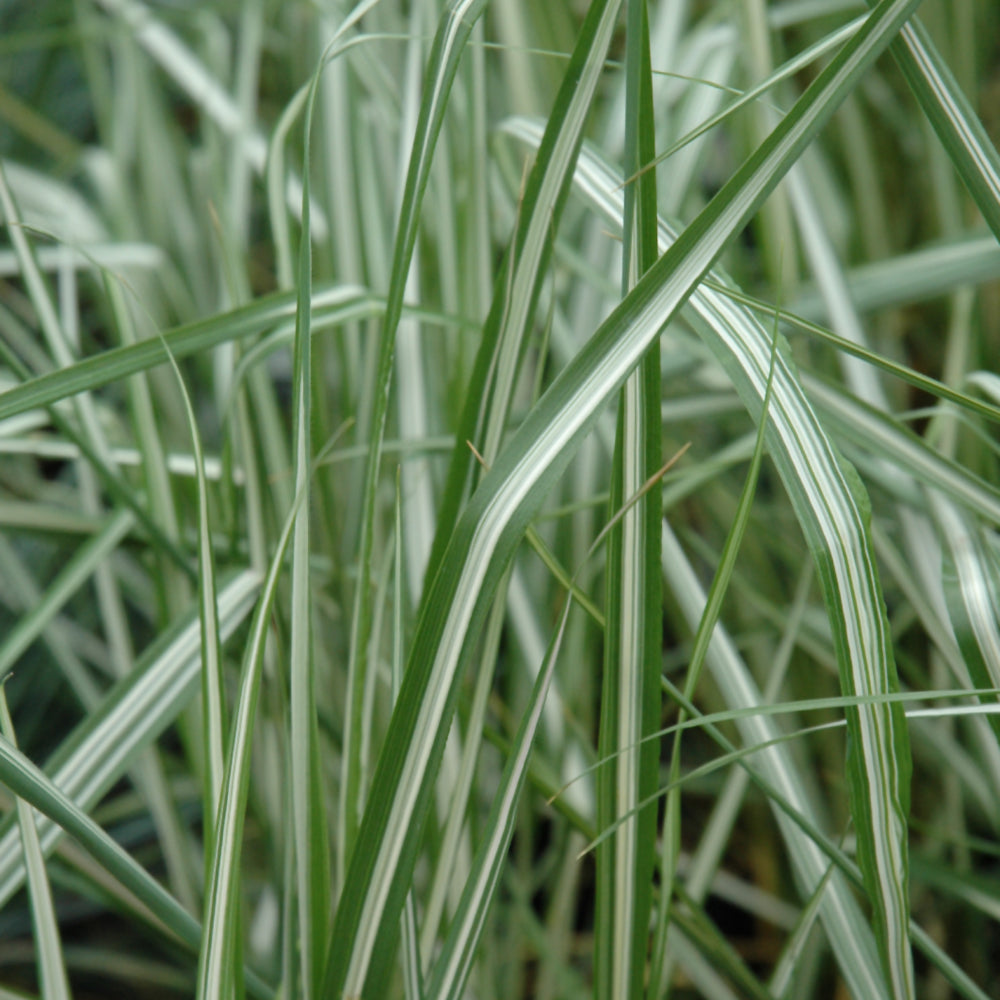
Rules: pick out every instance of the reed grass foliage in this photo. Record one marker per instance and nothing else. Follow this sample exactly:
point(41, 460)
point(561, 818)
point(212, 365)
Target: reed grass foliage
point(499, 500)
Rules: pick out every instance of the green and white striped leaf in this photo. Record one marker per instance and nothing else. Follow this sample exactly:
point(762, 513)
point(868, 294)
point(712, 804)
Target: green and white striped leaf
point(837, 530)
point(32, 786)
point(952, 117)
point(451, 967)
point(276, 312)
point(133, 713)
point(51, 966)
point(633, 635)
point(493, 523)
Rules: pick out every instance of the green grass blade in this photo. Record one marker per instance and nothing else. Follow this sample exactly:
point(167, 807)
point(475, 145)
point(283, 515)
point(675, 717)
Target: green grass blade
point(192, 76)
point(866, 428)
point(52, 976)
point(952, 117)
point(518, 285)
point(73, 576)
point(630, 699)
point(331, 306)
point(970, 584)
point(511, 493)
point(703, 636)
point(449, 43)
point(133, 713)
point(213, 707)
point(308, 817)
point(215, 962)
point(34, 787)
point(451, 968)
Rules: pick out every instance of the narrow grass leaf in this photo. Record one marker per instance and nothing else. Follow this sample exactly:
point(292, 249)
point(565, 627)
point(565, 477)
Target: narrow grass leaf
point(452, 34)
point(135, 711)
point(52, 976)
point(74, 575)
point(703, 637)
point(952, 117)
point(308, 817)
point(496, 518)
point(970, 579)
point(451, 968)
point(32, 785)
point(630, 697)
point(877, 433)
point(488, 394)
point(331, 306)
point(213, 707)
point(215, 961)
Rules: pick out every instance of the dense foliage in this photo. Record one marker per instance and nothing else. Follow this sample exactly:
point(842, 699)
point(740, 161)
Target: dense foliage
point(499, 499)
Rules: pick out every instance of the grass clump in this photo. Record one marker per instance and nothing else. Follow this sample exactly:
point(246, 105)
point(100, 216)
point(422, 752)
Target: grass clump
point(499, 500)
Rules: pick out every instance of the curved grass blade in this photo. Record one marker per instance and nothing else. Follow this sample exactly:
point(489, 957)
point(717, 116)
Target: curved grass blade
point(26, 781)
point(135, 711)
point(971, 590)
point(703, 636)
point(85, 430)
point(484, 539)
point(877, 433)
point(213, 714)
point(810, 481)
point(331, 306)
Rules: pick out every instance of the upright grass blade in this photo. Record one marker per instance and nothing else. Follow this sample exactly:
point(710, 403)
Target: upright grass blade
point(827, 506)
point(213, 706)
point(191, 74)
point(451, 968)
point(216, 975)
point(504, 332)
point(630, 698)
point(452, 34)
point(51, 967)
point(308, 816)
point(173, 587)
point(517, 288)
point(510, 494)
point(413, 978)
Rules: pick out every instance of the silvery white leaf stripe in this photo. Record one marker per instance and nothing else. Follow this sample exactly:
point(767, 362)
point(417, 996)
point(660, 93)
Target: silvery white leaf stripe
point(975, 572)
point(154, 695)
point(809, 465)
point(498, 514)
point(514, 322)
